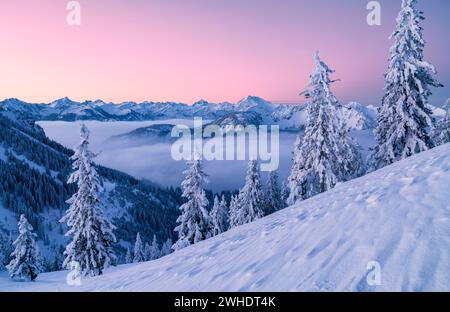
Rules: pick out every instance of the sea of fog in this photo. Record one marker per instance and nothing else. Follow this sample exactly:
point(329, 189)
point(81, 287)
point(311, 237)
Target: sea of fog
point(153, 160)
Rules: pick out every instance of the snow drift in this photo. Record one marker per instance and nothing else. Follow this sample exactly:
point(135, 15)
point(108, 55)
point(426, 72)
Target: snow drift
point(398, 216)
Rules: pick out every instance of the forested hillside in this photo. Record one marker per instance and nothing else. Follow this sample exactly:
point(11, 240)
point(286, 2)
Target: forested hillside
point(33, 174)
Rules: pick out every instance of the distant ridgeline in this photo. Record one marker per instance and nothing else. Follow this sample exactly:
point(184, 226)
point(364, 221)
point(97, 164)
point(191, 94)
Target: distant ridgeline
point(33, 174)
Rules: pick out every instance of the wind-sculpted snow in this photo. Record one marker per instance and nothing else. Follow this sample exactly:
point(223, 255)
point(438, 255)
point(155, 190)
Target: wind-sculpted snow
point(398, 216)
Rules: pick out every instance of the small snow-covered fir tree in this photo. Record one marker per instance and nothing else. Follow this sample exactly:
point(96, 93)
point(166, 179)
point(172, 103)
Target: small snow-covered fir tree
point(250, 202)
point(326, 154)
point(139, 252)
point(234, 211)
point(444, 130)
point(166, 248)
point(274, 196)
point(194, 223)
point(295, 193)
point(25, 262)
point(152, 251)
point(90, 231)
point(128, 256)
point(404, 119)
point(219, 216)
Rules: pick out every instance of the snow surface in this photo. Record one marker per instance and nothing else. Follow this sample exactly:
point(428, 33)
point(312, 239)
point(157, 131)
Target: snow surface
point(398, 216)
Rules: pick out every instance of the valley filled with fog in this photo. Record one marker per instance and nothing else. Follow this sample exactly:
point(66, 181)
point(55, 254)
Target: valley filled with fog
point(151, 159)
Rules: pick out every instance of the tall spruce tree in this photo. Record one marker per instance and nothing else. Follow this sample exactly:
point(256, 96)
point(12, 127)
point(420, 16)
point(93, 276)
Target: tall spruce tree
point(219, 216)
point(274, 194)
point(326, 154)
point(250, 202)
point(404, 119)
point(25, 262)
point(139, 252)
point(194, 223)
point(90, 231)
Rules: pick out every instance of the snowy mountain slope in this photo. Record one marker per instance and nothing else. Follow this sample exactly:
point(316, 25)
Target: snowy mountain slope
point(257, 105)
point(398, 216)
point(153, 134)
point(359, 117)
point(230, 121)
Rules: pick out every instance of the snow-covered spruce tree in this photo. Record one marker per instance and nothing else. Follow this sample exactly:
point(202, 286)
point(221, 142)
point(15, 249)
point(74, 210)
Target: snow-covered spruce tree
point(250, 202)
point(219, 216)
point(128, 256)
point(295, 193)
point(326, 154)
point(404, 120)
point(274, 196)
point(90, 231)
point(194, 223)
point(166, 248)
point(234, 211)
point(152, 251)
point(444, 130)
point(26, 263)
point(139, 252)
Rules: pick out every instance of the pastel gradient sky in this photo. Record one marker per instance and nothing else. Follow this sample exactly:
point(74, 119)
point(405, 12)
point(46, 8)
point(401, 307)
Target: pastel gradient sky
point(217, 50)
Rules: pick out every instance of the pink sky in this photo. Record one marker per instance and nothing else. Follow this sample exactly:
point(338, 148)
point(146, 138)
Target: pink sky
point(186, 50)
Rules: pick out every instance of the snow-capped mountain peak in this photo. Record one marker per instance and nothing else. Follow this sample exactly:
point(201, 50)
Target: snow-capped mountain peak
point(359, 117)
point(201, 103)
point(63, 102)
point(256, 104)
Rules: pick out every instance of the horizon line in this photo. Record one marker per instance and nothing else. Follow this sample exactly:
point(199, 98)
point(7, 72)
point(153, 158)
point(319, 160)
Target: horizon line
point(279, 102)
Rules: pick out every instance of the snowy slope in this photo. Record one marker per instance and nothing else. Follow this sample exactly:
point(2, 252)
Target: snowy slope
point(398, 216)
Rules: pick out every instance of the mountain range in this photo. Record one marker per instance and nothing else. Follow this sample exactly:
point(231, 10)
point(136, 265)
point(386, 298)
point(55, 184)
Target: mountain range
point(287, 116)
